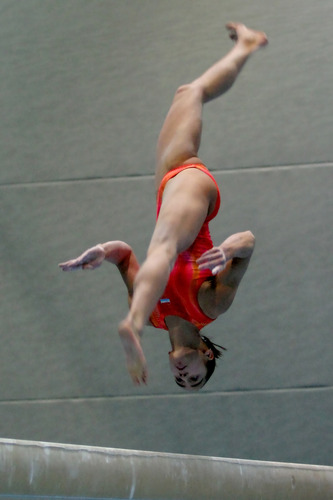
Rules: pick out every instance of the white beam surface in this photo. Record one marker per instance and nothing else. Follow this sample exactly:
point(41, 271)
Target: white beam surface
point(47, 470)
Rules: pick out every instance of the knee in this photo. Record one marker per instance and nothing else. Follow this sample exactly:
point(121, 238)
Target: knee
point(194, 90)
point(183, 88)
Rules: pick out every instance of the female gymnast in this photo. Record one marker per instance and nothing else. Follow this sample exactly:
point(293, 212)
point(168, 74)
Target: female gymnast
point(185, 282)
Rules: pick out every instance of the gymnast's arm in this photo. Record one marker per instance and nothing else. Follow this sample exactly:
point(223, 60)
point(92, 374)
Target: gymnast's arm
point(115, 252)
point(229, 262)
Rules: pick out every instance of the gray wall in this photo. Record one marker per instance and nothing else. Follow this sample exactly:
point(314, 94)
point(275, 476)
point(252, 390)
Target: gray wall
point(84, 88)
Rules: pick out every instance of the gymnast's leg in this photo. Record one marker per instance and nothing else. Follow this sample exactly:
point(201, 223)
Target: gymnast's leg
point(188, 197)
point(180, 136)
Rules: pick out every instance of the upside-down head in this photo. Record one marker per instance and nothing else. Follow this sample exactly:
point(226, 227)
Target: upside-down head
point(192, 368)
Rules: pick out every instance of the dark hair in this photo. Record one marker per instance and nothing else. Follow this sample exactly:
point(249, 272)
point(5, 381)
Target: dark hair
point(211, 363)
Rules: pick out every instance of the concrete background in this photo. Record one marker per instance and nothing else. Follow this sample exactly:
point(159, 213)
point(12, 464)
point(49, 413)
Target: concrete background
point(84, 88)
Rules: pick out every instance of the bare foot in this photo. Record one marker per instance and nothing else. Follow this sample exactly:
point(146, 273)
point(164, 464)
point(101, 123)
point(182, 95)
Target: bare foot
point(251, 38)
point(135, 359)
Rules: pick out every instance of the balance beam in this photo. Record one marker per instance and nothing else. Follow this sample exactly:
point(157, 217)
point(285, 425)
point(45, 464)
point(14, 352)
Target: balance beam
point(47, 470)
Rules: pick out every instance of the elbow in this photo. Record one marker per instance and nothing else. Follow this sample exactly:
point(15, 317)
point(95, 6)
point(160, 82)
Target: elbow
point(251, 241)
point(251, 237)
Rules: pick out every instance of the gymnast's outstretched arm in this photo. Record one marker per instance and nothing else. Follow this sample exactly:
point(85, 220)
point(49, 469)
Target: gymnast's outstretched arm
point(115, 252)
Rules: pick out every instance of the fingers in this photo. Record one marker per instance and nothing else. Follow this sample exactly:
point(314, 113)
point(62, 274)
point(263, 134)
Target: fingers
point(90, 259)
point(84, 261)
point(217, 269)
point(214, 259)
point(210, 255)
point(71, 265)
point(74, 265)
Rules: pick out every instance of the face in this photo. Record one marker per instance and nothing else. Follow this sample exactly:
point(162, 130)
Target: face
point(189, 367)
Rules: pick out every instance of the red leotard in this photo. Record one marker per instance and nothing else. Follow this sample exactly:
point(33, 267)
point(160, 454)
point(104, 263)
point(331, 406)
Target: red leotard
point(180, 297)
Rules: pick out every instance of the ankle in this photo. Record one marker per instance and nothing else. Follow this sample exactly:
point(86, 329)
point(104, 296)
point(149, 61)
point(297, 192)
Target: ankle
point(134, 323)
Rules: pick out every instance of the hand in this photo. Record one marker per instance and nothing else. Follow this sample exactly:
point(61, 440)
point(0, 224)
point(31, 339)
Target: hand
point(90, 259)
point(214, 259)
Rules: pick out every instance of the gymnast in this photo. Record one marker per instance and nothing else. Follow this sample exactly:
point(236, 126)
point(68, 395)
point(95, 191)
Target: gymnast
point(185, 282)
